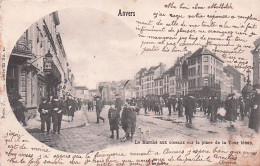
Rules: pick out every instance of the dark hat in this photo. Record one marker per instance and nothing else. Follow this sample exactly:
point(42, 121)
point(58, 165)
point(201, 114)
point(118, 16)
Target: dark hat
point(230, 95)
point(43, 99)
point(117, 95)
point(55, 97)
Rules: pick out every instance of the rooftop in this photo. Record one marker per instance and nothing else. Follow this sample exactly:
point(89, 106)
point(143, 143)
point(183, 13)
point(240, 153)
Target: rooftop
point(203, 51)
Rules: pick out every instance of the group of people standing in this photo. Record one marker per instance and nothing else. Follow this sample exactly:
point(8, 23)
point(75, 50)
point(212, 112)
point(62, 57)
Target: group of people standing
point(52, 110)
point(127, 119)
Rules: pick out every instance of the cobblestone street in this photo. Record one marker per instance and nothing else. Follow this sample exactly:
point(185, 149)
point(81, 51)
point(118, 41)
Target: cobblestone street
point(95, 137)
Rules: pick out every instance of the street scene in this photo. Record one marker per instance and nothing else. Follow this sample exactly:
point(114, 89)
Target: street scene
point(195, 95)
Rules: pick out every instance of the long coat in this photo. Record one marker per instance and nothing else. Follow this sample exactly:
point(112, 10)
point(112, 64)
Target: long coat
point(114, 118)
point(255, 113)
point(231, 109)
point(189, 106)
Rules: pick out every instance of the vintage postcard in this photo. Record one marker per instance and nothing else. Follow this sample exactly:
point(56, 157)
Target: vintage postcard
point(129, 83)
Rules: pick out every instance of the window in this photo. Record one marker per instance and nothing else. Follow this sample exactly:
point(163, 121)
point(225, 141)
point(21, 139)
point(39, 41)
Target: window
point(206, 82)
point(198, 70)
point(206, 59)
point(206, 69)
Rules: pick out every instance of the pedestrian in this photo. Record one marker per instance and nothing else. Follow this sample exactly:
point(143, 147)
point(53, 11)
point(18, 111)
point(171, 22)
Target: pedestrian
point(189, 108)
point(114, 118)
point(129, 121)
point(71, 108)
point(118, 103)
point(99, 107)
point(174, 102)
point(255, 111)
point(231, 113)
point(180, 107)
point(90, 108)
point(161, 105)
point(169, 105)
point(242, 107)
point(56, 115)
point(19, 109)
point(213, 105)
point(45, 115)
point(145, 105)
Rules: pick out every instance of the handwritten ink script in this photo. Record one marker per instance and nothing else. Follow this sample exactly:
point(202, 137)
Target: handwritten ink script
point(18, 151)
point(178, 26)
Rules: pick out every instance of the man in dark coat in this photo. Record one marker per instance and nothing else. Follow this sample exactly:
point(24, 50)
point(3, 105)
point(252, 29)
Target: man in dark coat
point(180, 107)
point(231, 113)
point(255, 112)
point(242, 107)
point(114, 118)
point(118, 103)
point(128, 121)
point(56, 115)
point(45, 115)
point(169, 105)
point(174, 102)
point(213, 106)
point(189, 108)
point(19, 109)
point(145, 105)
point(99, 107)
point(71, 107)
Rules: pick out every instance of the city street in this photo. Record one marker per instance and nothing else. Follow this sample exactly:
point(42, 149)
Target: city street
point(95, 137)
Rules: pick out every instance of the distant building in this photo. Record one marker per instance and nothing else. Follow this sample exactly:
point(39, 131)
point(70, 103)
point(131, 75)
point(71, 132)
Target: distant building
point(205, 71)
point(226, 86)
point(147, 81)
point(181, 75)
point(256, 62)
point(169, 81)
point(81, 92)
point(138, 81)
point(238, 78)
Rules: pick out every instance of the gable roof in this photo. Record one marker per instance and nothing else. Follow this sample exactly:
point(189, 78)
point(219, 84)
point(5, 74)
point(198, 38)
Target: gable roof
point(203, 51)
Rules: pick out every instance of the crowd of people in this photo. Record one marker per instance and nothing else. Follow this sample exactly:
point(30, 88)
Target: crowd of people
point(123, 113)
point(51, 110)
point(229, 110)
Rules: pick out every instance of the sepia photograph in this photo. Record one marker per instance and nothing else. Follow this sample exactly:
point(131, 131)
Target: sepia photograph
point(73, 91)
point(176, 85)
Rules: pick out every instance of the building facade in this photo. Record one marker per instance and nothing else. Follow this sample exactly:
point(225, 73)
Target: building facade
point(238, 78)
point(38, 65)
point(256, 62)
point(205, 71)
point(148, 80)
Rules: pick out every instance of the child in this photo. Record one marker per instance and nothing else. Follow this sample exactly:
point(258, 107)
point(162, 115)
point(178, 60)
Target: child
point(114, 118)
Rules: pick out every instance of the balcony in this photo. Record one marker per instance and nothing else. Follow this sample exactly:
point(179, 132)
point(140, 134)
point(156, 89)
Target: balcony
point(23, 47)
point(51, 70)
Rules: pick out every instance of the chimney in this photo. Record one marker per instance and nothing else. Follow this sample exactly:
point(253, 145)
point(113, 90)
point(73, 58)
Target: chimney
point(203, 48)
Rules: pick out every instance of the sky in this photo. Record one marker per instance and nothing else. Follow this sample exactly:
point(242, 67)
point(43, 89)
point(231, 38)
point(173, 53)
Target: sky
point(100, 47)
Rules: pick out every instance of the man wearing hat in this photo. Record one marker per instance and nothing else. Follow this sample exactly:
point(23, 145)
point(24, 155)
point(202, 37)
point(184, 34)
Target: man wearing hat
point(19, 109)
point(45, 114)
point(99, 106)
point(231, 113)
point(189, 108)
point(242, 107)
point(118, 103)
point(56, 115)
point(255, 111)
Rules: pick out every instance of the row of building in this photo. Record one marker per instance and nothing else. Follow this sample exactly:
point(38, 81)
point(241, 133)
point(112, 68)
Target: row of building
point(38, 65)
point(201, 73)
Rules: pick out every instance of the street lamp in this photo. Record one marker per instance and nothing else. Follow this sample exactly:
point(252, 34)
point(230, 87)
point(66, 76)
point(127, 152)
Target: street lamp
point(248, 76)
point(47, 60)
